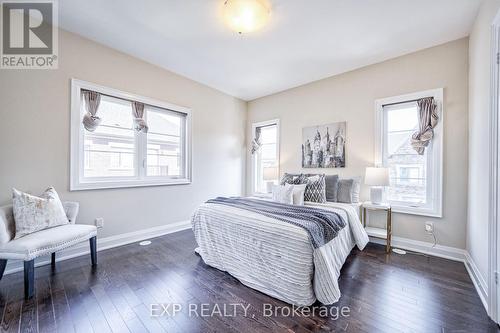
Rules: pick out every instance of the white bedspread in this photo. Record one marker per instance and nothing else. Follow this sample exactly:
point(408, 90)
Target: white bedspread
point(275, 257)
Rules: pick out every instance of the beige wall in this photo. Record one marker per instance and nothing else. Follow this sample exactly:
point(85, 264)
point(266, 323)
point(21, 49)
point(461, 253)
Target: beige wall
point(350, 97)
point(479, 106)
point(34, 136)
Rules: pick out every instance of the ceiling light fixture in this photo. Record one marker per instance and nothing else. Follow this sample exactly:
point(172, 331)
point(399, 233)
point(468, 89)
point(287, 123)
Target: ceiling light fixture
point(244, 16)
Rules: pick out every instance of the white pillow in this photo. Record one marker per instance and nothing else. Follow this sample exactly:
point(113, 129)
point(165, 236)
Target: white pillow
point(283, 194)
point(298, 194)
point(32, 213)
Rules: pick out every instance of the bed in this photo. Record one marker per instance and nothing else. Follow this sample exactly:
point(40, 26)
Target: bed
point(275, 257)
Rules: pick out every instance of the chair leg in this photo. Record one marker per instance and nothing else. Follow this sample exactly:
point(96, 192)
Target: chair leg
point(93, 250)
point(53, 260)
point(3, 264)
point(29, 278)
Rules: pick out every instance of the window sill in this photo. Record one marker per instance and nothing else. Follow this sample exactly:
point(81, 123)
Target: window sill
point(82, 186)
point(416, 211)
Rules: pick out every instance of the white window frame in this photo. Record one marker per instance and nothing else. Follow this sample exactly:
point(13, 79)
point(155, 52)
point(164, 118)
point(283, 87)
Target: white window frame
point(435, 150)
point(78, 182)
point(254, 156)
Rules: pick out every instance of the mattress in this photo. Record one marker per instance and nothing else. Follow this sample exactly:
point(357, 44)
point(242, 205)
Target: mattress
point(275, 257)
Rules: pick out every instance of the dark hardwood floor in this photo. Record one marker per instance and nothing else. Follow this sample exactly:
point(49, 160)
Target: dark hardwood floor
point(385, 293)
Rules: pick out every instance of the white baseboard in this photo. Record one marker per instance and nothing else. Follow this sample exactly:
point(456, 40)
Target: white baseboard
point(446, 252)
point(103, 244)
point(477, 279)
point(441, 251)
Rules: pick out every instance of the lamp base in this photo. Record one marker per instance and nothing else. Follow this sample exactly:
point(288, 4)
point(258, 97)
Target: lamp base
point(377, 195)
point(269, 187)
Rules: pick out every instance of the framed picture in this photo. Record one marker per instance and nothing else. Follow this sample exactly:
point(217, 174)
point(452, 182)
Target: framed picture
point(324, 146)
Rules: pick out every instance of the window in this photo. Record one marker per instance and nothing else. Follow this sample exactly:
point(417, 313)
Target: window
point(267, 156)
point(116, 155)
point(415, 180)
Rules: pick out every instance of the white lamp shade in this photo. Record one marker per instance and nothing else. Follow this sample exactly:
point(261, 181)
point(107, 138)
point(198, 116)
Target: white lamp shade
point(377, 176)
point(270, 173)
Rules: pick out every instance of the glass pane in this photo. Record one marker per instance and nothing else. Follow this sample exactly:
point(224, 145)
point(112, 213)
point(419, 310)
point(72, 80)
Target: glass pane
point(266, 157)
point(116, 117)
point(269, 134)
point(268, 151)
point(163, 122)
point(108, 156)
point(109, 151)
point(164, 144)
point(408, 174)
point(402, 118)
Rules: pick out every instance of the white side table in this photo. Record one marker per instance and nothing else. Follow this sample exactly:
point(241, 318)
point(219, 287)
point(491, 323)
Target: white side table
point(383, 233)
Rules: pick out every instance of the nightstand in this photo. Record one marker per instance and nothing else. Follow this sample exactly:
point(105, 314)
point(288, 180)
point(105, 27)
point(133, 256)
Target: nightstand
point(383, 233)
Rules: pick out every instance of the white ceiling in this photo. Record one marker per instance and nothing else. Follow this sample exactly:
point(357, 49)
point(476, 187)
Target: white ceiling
point(306, 40)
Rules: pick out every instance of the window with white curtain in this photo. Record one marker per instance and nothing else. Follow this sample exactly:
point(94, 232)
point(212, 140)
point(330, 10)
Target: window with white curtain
point(415, 180)
point(115, 154)
point(267, 156)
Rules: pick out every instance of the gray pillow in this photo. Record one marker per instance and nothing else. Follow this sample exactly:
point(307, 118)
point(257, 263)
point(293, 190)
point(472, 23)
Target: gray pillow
point(332, 183)
point(315, 189)
point(348, 190)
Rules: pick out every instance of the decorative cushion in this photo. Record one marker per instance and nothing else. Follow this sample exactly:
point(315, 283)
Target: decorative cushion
point(348, 190)
point(298, 194)
point(332, 183)
point(294, 179)
point(32, 213)
point(283, 194)
point(315, 189)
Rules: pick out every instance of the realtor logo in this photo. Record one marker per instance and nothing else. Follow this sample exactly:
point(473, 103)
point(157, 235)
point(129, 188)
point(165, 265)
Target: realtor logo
point(29, 35)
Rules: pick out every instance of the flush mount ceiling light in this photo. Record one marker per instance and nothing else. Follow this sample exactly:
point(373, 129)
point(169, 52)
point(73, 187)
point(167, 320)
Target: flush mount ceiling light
point(244, 16)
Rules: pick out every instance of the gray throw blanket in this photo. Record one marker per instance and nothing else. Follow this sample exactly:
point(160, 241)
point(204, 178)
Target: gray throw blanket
point(321, 225)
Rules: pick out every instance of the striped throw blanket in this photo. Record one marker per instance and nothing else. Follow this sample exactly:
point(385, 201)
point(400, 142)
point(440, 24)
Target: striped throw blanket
point(322, 225)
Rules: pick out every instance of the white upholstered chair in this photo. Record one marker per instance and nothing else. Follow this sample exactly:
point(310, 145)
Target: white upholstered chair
point(41, 243)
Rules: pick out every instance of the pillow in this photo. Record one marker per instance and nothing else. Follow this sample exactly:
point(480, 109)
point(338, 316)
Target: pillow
point(315, 189)
point(298, 194)
point(32, 213)
point(348, 190)
point(332, 184)
point(283, 194)
point(295, 179)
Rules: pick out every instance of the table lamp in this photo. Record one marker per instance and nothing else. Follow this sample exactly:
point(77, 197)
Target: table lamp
point(377, 178)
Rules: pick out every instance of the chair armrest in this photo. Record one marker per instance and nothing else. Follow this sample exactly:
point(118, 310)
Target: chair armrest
point(7, 226)
point(71, 208)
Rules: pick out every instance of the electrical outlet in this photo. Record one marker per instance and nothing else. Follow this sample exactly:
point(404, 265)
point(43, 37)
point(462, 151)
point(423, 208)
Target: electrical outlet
point(429, 227)
point(99, 222)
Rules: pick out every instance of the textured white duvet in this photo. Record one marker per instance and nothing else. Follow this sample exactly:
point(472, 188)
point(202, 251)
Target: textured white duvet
point(275, 257)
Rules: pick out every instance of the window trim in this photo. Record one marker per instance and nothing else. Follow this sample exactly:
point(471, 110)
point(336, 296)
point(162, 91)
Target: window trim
point(437, 150)
point(77, 182)
point(254, 160)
